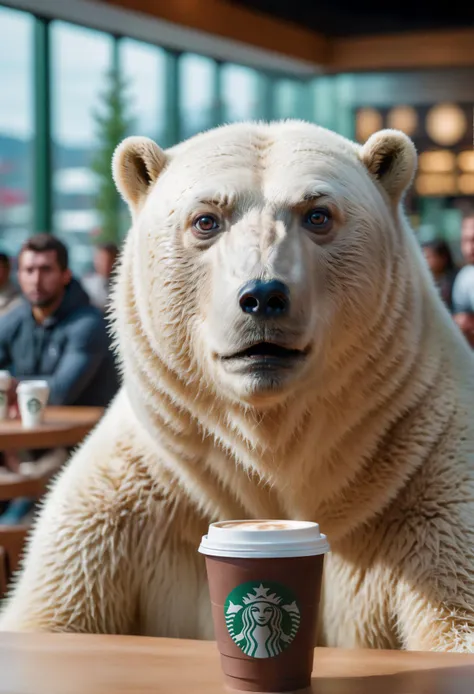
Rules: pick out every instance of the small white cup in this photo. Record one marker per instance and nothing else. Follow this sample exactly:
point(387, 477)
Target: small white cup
point(5, 382)
point(32, 399)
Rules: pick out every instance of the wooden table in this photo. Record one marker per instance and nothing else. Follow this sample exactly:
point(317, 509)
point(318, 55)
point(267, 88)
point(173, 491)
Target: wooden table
point(62, 427)
point(77, 664)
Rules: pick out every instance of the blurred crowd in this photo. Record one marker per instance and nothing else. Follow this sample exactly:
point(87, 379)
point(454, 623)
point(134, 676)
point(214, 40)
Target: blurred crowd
point(455, 284)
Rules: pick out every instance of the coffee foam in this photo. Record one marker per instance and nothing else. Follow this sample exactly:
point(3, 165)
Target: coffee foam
point(259, 525)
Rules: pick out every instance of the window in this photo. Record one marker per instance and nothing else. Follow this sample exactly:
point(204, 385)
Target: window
point(16, 128)
point(143, 67)
point(169, 96)
point(81, 59)
point(290, 99)
point(242, 98)
point(198, 94)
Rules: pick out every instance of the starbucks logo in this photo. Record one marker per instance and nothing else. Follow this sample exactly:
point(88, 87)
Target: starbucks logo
point(3, 397)
point(33, 405)
point(262, 618)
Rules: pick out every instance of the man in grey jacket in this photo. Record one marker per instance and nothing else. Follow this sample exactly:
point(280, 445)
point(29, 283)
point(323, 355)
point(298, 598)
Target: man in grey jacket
point(55, 334)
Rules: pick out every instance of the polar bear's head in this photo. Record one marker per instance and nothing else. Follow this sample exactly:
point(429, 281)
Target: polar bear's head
point(261, 253)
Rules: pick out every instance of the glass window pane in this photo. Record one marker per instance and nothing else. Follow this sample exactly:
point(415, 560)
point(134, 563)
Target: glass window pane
point(197, 98)
point(81, 60)
point(144, 69)
point(240, 93)
point(16, 128)
point(289, 99)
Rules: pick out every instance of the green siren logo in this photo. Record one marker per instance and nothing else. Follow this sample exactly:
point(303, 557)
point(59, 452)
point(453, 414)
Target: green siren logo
point(3, 397)
point(33, 405)
point(262, 618)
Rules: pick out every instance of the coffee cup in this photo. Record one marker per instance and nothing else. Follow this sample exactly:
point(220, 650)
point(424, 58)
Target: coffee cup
point(32, 399)
point(265, 582)
point(5, 382)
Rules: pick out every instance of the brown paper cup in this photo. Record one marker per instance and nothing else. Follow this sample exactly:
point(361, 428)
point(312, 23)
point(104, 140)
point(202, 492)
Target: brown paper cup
point(265, 608)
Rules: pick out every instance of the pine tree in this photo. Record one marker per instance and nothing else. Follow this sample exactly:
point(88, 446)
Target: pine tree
point(113, 123)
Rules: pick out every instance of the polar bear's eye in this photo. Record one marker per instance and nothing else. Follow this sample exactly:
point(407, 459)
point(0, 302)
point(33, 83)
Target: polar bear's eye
point(318, 220)
point(205, 224)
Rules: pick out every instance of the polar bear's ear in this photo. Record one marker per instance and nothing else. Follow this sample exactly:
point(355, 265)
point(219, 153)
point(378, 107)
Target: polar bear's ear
point(136, 164)
point(390, 157)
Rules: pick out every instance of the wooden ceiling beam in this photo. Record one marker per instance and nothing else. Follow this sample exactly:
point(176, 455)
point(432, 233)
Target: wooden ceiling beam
point(413, 50)
point(230, 21)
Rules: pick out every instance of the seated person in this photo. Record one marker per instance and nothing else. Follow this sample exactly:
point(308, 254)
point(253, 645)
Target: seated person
point(55, 335)
point(463, 289)
point(440, 261)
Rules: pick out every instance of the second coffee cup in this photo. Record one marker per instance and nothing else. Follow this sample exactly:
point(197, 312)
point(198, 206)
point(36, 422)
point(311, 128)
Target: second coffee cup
point(32, 399)
point(264, 582)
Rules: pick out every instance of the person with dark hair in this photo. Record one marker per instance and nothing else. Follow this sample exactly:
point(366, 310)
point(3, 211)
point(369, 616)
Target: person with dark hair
point(9, 293)
point(98, 283)
point(463, 290)
point(440, 261)
point(56, 334)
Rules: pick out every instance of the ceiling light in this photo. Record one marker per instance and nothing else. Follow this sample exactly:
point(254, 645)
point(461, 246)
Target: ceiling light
point(446, 124)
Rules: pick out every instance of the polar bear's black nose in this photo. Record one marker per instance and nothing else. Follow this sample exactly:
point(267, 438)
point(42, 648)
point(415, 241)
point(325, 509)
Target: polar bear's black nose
point(265, 299)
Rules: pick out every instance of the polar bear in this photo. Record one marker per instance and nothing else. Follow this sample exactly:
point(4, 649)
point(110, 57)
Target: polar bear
point(285, 355)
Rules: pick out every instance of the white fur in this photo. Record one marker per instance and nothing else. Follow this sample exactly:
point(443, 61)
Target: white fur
point(372, 437)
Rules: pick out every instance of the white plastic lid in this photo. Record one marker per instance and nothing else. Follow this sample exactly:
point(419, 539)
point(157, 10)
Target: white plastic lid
point(263, 539)
point(28, 386)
